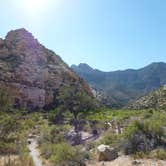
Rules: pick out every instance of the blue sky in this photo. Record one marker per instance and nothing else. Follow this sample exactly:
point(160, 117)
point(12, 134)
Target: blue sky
point(106, 34)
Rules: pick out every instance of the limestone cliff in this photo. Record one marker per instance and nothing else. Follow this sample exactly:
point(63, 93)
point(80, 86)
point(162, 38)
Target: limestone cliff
point(31, 73)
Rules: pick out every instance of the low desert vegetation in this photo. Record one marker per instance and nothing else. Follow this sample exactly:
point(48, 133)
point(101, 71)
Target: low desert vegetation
point(55, 147)
point(140, 133)
point(15, 126)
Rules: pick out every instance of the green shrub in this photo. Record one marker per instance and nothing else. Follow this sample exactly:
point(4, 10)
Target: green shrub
point(8, 148)
point(5, 100)
point(158, 154)
point(47, 150)
point(133, 128)
point(62, 153)
point(145, 135)
point(66, 155)
point(110, 139)
point(140, 155)
point(52, 134)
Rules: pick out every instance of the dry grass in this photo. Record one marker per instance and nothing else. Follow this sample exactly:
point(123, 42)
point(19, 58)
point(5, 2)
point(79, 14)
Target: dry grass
point(15, 161)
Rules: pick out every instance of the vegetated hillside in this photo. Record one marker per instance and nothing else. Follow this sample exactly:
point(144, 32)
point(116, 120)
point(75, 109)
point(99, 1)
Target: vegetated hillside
point(33, 74)
point(155, 99)
point(125, 86)
point(104, 99)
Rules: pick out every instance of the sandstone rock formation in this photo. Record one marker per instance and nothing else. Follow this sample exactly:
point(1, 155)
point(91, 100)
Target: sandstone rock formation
point(31, 73)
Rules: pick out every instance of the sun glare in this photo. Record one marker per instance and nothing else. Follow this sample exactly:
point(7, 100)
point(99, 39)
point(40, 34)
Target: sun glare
point(36, 6)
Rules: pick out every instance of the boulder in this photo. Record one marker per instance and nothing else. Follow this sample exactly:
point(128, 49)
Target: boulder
point(105, 153)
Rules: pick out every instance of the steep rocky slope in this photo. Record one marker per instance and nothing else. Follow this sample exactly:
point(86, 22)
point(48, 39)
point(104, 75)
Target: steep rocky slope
point(155, 99)
point(125, 86)
point(104, 99)
point(31, 73)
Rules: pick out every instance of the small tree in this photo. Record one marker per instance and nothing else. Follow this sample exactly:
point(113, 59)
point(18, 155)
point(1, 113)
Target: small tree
point(77, 101)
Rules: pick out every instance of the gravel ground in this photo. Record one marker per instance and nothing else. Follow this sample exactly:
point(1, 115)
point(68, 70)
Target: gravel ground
point(128, 161)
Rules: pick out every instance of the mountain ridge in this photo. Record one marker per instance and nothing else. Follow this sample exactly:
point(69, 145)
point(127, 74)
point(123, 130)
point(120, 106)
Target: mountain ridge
point(126, 85)
point(119, 70)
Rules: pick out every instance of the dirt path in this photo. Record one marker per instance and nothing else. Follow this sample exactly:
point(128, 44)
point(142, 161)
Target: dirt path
point(34, 152)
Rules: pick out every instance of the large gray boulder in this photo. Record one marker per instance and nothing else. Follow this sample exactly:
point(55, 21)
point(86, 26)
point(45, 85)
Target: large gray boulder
point(105, 153)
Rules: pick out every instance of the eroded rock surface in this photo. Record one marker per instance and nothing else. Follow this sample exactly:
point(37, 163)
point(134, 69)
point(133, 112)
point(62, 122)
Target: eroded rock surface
point(31, 73)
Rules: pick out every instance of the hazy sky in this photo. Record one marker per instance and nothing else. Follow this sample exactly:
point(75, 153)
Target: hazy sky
point(106, 34)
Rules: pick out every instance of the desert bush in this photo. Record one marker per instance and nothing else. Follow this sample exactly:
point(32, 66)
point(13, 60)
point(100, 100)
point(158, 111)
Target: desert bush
point(91, 145)
point(56, 116)
point(8, 148)
point(66, 155)
point(21, 158)
point(46, 150)
point(62, 153)
point(140, 155)
point(146, 135)
point(5, 100)
point(154, 154)
point(9, 125)
point(18, 162)
point(52, 133)
point(110, 139)
point(158, 154)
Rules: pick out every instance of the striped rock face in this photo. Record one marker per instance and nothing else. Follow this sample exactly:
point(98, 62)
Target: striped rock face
point(32, 74)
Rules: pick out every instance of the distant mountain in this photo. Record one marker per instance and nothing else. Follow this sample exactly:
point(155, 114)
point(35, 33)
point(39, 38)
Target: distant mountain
point(33, 74)
point(155, 99)
point(125, 86)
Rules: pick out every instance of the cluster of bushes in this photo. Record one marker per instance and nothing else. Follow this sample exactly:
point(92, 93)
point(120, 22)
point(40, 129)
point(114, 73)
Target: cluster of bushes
point(14, 130)
point(146, 135)
point(15, 125)
point(57, 150)
point(142, 136)
point(63, 154)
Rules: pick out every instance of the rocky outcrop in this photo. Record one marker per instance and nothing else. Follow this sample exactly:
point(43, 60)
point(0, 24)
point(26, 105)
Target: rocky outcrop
point(31, 73)
point(104, 99)
point(155, 99)
point(105, 153)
